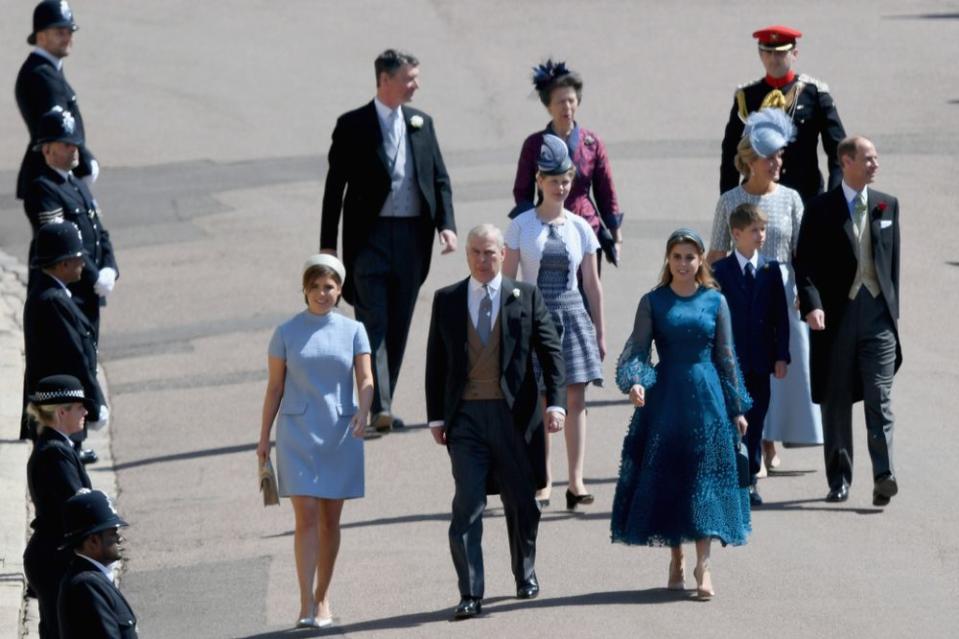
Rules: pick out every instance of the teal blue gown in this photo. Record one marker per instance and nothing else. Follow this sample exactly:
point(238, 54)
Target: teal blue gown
point(678, 480)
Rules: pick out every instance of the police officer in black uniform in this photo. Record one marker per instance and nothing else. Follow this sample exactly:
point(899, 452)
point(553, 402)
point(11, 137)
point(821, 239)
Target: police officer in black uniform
point(57, 336)
point(56, 194)
point(90, 605)
point(54, 475)
point(806, 100)
point(41, 86)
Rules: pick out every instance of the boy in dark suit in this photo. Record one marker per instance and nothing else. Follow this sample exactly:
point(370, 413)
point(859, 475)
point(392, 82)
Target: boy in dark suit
point(753, 287)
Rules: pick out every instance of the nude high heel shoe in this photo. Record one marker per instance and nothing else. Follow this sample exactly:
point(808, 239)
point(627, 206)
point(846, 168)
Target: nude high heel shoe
point(677, 575)
point(704, 582)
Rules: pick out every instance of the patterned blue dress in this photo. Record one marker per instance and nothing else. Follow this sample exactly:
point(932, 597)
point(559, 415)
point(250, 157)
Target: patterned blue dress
point(678, 480)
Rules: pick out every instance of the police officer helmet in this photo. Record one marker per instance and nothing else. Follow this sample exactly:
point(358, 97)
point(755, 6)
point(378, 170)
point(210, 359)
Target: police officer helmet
point(49, 14)
point(57, 241)
point(60, 389)
point(87, 513)
point(57, 125)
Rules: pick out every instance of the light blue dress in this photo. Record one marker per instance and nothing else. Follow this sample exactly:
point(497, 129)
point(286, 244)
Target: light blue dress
point(678, 480)
point(316, 454)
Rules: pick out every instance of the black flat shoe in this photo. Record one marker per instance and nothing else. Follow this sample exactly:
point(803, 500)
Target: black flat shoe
point(754, 497)
point(398, 424)
point(467, 608)
point(574, 500)
point(88, 456)
point(382, 422)
point(838, 494)
point(543, 503)
point(528, 589)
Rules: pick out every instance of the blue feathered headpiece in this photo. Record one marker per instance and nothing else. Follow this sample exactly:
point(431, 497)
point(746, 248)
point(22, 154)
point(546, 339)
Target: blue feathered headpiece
point(769, 130)
point(545, 74)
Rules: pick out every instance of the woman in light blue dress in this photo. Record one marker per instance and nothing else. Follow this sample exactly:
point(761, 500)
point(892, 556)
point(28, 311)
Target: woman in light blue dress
point(313, 360)
point(792, 416)
point(678, 479)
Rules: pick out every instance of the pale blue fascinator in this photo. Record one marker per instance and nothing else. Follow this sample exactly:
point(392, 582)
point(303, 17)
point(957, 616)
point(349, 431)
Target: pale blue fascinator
point(769, 130)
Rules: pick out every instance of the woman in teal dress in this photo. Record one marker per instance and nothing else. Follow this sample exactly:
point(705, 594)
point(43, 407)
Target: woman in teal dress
point(678, 479)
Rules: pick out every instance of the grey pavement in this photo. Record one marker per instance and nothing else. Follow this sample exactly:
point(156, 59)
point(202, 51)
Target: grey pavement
point(212, 127)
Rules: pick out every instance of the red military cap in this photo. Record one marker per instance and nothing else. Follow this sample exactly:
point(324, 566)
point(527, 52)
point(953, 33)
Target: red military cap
point(777, 38)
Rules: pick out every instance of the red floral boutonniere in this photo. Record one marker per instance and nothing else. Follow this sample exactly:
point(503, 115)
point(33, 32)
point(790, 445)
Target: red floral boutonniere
point(881, 206)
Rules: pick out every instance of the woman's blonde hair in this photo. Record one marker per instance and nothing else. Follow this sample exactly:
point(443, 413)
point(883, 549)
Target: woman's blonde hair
point(745, 155)
point(44, 414)
point(704, 276)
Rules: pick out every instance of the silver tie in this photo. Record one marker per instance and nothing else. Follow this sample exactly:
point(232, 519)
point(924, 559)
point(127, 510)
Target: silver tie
point(484, 323)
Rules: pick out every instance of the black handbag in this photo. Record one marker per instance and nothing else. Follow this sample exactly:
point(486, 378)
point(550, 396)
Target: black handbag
point(607, 244)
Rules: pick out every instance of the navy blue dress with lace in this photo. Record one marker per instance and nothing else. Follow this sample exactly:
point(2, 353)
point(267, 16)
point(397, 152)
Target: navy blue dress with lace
point(678, 480)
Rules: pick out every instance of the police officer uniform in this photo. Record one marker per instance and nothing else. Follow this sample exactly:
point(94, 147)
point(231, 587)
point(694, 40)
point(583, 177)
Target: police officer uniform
point(58, 195)
point(90, 605)
point(54, 474)
point(810, 105)
point(41, 86)
point(57, 336)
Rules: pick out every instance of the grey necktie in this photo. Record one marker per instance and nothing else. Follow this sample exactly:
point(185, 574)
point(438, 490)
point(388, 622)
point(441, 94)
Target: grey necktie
point(392, 137)
point(484, 323)
point(859, 211)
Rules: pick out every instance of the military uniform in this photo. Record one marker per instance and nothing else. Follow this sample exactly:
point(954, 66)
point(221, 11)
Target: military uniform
point(51, 197)
point(41, 86)
point(807, 101)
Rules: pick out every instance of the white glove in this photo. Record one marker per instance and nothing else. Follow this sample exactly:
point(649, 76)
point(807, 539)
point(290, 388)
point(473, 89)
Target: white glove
point(103, 421)
point(105, 281)
point(94, 173)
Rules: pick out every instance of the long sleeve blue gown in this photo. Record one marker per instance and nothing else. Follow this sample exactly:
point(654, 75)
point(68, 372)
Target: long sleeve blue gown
point(678, 480)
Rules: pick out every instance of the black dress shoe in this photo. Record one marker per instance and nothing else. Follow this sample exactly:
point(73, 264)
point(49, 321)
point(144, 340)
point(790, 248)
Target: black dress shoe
point(528, 589)
point(88, 456)
point(398, 424)
point(880, 500)
point(574, 500)
point(468, 608)
point(754, 498)
point(838, 494)
point(382, 422)
point(886, 486)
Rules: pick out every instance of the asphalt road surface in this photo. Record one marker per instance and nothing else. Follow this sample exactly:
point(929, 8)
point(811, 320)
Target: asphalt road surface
point(211, 122)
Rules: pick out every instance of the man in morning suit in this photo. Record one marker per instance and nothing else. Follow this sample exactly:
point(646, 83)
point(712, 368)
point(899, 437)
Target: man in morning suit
point(55, 194)
point(57, 336)
point(805, 99)
point(754, 291)
point(41, 86)
point(386, 157)
point(482, 402)
point(90, 605)
point(847, 273)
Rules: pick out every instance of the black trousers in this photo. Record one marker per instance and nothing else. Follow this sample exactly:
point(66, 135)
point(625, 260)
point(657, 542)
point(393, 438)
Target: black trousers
point(758, 386)
point(387, 274)
point(44, 566)
point(863, 351)
point(483, 443)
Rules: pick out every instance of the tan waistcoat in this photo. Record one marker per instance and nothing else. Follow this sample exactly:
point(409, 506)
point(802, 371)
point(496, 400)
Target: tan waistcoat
point(482, 381)
point(866, 271)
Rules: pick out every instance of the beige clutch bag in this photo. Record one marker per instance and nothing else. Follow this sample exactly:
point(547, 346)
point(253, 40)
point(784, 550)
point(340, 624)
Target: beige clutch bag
point(271, 494)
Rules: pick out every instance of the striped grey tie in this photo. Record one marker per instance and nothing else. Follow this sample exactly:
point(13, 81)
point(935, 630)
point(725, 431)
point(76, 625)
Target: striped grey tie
point(484, 323)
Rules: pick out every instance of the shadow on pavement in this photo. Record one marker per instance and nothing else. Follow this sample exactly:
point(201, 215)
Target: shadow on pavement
point(797, 504)
point(493, 607)
point(193, 454)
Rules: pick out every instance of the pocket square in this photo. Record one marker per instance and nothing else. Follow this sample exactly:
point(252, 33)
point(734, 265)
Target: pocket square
point(884, 224)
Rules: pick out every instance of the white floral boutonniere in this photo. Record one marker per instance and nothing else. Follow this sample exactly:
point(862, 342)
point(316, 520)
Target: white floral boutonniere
point(590, 140)
point(516, 293)
point(416, 121)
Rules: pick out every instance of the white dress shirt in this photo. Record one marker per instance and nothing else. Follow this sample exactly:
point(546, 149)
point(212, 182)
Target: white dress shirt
point(57, 62)
point(852, 194)
point(754, 260)
point(476, 294)
point(106, 570)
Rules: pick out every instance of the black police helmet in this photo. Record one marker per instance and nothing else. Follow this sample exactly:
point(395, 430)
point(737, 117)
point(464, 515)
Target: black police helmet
point(49, 14)
point(55, 242)
point(57, 125)
point(87, 513)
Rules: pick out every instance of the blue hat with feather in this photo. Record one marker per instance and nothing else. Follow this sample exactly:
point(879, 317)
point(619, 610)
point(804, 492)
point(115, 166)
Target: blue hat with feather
point(769, 130)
